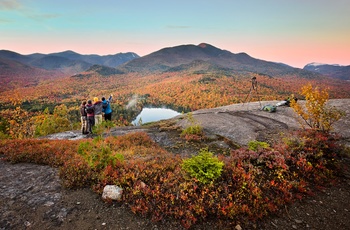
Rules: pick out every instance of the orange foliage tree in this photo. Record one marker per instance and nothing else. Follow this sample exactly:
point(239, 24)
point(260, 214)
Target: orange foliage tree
point(17, 121)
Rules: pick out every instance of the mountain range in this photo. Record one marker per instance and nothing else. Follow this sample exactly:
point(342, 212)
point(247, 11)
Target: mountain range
point(184, 58)
point(67, 62)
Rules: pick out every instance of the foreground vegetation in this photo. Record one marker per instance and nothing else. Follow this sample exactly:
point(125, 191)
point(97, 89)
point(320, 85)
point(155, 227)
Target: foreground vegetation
point(242, 186)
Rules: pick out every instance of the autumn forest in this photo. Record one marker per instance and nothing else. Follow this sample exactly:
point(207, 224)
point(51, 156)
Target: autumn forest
point(184, 91)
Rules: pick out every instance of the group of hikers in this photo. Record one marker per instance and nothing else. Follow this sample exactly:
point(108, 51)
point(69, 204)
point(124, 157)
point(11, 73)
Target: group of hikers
point(93, 113)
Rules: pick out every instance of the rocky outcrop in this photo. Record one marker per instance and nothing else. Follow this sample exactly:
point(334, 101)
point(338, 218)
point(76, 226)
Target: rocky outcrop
point(242, 123)
point(239, 123)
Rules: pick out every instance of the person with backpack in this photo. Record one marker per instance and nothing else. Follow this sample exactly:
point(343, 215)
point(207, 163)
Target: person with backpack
point(97, 111)
point(83, 118)
point(106, 108)
point(90, 115)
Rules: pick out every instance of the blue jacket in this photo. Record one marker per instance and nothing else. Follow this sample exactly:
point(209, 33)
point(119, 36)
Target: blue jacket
point(108, 109)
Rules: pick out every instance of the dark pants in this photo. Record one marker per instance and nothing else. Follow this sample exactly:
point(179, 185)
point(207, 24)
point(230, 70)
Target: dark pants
point(108, 117)
point(91, 123)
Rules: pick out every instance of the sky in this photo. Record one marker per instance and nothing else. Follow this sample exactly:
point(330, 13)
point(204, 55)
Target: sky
point(294, 32)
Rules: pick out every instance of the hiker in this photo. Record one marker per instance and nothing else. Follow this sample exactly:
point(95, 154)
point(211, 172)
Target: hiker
point(89, 108)
point(83, 118)
point(98, 111)
point(106, 108)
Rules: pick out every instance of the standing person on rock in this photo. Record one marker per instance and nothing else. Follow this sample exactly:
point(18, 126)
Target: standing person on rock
point(106, 108)
point(98, 111)
point(83, 118)
point(89, 108)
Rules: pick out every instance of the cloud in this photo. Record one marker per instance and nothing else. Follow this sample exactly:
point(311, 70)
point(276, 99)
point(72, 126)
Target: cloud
point(3, 21)
point(40, 17)
point(15, 5)
point(10, 5)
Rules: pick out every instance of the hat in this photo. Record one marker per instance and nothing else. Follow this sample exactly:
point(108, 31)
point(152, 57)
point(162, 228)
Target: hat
point(95, 99)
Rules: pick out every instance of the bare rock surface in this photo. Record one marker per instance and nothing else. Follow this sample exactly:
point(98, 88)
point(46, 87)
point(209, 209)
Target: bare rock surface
point(245, 122)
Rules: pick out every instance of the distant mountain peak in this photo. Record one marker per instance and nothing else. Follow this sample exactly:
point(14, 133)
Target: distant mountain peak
point(203, 45)
point(321, 64)
point(69, 52)
point(315, 64)
point(331, 70)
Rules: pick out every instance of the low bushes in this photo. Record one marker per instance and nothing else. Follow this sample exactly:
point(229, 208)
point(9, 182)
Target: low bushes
point(49, 152)
point(246, 185)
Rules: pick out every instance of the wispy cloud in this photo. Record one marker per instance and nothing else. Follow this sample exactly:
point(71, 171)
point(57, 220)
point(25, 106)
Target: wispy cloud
point(177, 27)
point(16, 5)
point(4, 21)
point(10, 5)
point(40, 17)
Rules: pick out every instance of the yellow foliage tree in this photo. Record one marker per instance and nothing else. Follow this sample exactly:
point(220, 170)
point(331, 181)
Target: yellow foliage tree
point(47, 123)
point(316, 114)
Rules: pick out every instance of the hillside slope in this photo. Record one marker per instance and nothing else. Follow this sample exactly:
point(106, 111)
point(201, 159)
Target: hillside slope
point(15, 75)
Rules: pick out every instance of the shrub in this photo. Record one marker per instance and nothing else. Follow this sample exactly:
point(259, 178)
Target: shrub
point(257, 145)
point(105, 126)
point(75, 173)
point(204, 167)
point(194, 129)
point(315, 155)
point(194, 132)
point(98, 154)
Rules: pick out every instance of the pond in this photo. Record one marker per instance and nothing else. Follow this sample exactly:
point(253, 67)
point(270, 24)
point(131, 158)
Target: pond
point(154, 114)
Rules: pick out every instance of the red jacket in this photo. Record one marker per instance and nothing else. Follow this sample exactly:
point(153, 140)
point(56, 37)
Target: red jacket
point(90, 110)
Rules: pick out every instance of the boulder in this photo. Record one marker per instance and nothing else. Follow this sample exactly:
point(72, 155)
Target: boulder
point(112, 192)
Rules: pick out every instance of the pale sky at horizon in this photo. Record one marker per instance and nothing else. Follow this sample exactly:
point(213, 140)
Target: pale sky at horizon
point(295, 32)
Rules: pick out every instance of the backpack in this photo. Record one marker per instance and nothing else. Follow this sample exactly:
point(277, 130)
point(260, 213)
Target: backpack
point(269, 108)
point(89, 109)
